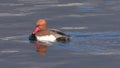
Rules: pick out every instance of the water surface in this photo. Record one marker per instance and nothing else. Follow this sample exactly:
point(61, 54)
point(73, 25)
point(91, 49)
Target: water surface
point(92, 24)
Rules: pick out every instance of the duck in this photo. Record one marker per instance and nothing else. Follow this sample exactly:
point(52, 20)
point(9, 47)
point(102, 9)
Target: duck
point(43, 34)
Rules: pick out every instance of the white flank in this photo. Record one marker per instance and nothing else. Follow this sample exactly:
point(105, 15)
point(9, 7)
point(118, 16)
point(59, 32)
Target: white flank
point(46, 38)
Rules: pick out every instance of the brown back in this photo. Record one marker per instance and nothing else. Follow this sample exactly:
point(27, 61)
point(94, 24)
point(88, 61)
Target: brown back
point(43, 32)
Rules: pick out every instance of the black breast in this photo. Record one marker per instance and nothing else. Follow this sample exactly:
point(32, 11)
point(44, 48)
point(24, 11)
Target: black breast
point(32, 37)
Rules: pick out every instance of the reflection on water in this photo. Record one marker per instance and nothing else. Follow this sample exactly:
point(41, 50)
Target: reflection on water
point(82, 43)
point(41, 48)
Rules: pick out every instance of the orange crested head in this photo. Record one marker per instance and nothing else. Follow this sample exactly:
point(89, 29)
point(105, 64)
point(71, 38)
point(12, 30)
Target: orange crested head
point(41, 22)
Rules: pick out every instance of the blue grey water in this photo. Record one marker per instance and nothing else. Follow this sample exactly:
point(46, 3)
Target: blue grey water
point(93, 25)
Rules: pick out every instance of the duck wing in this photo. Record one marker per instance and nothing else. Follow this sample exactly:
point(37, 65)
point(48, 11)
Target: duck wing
point(58, 32)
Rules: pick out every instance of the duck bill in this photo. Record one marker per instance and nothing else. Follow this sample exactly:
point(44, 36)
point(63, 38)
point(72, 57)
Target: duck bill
point(36, 30)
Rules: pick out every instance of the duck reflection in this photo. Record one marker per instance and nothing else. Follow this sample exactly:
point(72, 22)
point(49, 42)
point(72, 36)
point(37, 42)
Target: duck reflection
point(41, 48)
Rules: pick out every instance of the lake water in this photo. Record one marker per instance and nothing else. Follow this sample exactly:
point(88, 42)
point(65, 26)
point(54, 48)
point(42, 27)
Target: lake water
point(93, 26)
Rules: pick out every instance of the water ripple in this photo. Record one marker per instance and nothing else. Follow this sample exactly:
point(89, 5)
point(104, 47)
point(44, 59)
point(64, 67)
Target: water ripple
point(83, 43)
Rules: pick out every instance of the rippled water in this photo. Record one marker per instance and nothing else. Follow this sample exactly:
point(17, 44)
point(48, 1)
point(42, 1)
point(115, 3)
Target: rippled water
point(93, 26)
point(82, 43)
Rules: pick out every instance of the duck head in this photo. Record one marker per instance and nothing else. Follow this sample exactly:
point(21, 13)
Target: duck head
point(40, 25)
